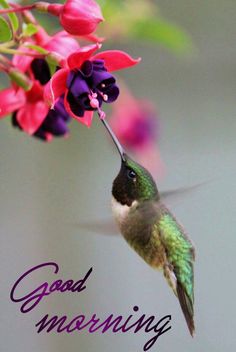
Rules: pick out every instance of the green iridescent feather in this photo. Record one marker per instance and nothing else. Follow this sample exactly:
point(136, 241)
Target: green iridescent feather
point(180, 255)
point(145, 183)
point(180, 251)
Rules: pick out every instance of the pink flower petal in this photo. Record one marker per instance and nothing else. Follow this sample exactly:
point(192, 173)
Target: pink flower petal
point(94, 38)
point(86, 119)
point(49, 137)
point(31, 116)
point(88, 116)
point(62, 43)
point(41, 37)
point(55, 87)
point(116, 60)
point(22, 62)
point(11, 100)
point(76, 59)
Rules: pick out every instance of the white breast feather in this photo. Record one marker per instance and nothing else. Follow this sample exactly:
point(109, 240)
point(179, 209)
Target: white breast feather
point(121, 211)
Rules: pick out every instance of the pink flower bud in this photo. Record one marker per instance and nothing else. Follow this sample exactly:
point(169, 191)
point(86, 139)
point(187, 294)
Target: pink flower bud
point(77, 17)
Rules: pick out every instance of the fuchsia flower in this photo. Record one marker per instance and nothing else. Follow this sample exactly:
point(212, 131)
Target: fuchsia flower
point(135, 123)
point(30, 112)
point(86, 81)
point(77, 17)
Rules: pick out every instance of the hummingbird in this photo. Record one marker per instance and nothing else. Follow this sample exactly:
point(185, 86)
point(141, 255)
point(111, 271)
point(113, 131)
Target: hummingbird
point(151, 229)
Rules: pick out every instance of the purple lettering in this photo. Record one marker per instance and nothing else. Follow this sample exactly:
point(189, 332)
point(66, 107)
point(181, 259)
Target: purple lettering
point(78, 286)
point(33, 298)
point(43, 323)
point(66, 286)
point(55, 286)
point(36, 295)
point(159, 331)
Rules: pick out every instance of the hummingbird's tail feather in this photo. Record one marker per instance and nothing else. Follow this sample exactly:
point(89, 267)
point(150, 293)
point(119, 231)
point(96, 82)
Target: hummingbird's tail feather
point(186, 304)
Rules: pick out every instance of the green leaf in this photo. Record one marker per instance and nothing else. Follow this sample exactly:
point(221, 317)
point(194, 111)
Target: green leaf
point(163, 32)
point(52, 66)
point(29, 30)
point(20, 79)
point(5, 30)
point(12, 16)
point(37, 48)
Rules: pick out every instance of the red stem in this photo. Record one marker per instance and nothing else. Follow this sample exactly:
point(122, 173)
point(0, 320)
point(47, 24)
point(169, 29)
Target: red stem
point(17, 9)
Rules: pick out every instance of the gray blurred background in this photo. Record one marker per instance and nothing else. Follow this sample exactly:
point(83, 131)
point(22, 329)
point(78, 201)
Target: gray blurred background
point(47, 189)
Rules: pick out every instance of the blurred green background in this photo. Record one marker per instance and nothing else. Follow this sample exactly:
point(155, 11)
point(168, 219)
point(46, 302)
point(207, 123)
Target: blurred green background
point(46, 190)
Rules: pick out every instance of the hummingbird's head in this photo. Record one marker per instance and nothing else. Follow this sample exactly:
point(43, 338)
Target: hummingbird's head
point(133, 183)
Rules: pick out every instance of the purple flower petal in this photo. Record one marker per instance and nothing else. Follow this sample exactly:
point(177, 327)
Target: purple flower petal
point(112, 93)
point(41, 70)
point(99, 65)
point(54, 124)
point(70, 78)
point(79, 87)
point(89, 87)
point(87, 68)
point(102, 77)
point(60, 109)
point(74, 105)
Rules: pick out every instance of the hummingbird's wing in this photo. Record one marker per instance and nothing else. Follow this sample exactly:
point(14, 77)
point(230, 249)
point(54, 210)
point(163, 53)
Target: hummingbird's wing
point(106, 227)
point(109, 227)
point(180, 257)
point(179, 193)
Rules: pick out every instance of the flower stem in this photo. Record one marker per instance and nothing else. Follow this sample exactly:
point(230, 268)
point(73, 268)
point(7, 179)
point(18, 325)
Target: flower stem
point(5, 50)
point(8, 44)
point(17, 9)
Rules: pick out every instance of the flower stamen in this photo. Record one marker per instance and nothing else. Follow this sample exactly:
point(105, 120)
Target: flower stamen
point(94, 103)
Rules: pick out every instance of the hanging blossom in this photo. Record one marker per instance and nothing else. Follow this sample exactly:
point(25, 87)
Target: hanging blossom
point(29, 111)
point(136, 124)
point(86, 81)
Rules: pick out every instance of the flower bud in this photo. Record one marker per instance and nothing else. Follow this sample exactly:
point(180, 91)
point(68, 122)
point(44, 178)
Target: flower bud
point(77, 17)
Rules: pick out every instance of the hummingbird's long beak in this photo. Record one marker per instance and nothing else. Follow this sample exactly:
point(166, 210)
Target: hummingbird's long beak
point(115, 140)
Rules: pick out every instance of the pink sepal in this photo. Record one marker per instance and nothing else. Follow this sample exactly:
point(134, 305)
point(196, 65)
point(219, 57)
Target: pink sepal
point(76, 59)
point(49, 137)
point(55, 87)
point(80, 17)
point(88, 117)
point(94, 38)
point(22, 62)
point(41, 37)
point(62, 43)
point(116, 60)
point(11, 100)
point(31, 116)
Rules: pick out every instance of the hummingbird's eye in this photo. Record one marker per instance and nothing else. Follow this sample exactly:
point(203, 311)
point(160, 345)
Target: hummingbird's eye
point(131, 174)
